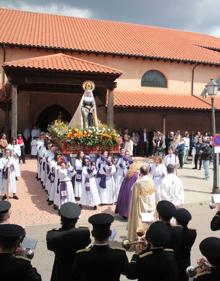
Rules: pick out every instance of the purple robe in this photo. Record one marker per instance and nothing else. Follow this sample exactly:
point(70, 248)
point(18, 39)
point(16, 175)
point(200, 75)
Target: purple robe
point(124, 197)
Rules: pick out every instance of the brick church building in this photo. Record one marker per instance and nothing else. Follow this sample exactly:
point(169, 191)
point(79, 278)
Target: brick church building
point(145, 76)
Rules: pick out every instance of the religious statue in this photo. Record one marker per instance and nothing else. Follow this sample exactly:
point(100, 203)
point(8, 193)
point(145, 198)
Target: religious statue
point(59, 117)
point(85, 115)
point(88, 106)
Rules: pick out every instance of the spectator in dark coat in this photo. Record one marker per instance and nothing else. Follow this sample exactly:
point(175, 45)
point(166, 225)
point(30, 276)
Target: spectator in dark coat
point(198, 146)
point(206, 157)
point(180, 152)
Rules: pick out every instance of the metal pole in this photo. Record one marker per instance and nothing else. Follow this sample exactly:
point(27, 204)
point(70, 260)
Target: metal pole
point(216, 155)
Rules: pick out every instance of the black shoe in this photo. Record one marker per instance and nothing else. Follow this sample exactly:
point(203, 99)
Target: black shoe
point(16, 178)
point(55, 207)
point(95, 208)
point(50, 203)
point(194, 168)
point(15, 197)
point(4, 197)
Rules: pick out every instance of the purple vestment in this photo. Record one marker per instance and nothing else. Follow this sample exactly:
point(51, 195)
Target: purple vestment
point(124, 197)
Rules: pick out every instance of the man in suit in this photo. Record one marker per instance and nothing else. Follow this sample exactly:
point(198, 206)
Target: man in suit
point(14, 267)
point(156, 262)
point(144, 143)
point(100, 262)
point(65, 241)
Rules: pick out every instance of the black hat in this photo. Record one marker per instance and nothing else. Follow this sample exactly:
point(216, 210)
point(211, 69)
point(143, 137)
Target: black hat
point(101, 220)
point(166, 209)
point(158, 234)
point(11, 231)
point(183, 216)
point(210, 248)
point(70, 210)
point(4, 207)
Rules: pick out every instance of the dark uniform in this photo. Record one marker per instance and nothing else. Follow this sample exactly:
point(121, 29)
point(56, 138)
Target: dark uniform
point(14, 268)
point(176, 238)
point(210, 248)
point(4, 209)
point(17, 269)
point(188, 237)
point(158, 263)
point(65, 242)
point(166, 211)
point(100, 262)
point(215, 223)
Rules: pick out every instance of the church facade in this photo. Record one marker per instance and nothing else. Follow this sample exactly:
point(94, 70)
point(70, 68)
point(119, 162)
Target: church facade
point(144, 76)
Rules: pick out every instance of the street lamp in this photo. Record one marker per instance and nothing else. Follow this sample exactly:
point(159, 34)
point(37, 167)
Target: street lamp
point(212, 89)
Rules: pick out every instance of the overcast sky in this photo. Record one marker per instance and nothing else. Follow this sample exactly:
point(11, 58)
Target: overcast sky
point(193, 15)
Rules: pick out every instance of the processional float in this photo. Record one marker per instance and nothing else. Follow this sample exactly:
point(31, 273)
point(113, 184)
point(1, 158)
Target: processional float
point(85, 132)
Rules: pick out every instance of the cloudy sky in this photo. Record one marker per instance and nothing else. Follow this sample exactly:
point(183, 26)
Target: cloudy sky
point(194, 15)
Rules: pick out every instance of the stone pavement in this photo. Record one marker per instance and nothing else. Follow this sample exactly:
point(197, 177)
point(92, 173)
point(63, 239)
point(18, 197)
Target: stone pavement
point(32, 208)
point(43, 259)
point(32, 211)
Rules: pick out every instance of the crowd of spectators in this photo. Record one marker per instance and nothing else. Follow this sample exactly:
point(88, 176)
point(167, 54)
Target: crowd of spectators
point(197, 145)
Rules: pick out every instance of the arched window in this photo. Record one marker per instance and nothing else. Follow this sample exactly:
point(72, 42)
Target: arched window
point(154, 78)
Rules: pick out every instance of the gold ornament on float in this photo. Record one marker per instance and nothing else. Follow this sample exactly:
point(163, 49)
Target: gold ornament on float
point(88, 85)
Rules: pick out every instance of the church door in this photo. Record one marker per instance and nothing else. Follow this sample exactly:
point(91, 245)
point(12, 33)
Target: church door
point(49, 114)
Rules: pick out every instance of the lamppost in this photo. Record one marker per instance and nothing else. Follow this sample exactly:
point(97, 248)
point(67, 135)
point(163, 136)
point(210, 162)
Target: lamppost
point(211, 89)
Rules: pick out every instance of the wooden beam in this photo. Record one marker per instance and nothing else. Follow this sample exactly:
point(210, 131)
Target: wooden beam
point(164, 124)
point(14, 111)
point(110, 107)
point(7, 121)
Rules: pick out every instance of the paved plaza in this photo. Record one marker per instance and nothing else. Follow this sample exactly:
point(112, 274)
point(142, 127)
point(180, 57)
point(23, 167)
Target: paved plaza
point(32, 211)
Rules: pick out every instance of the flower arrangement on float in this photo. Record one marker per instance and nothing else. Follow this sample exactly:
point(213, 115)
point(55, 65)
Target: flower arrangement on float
point(92, 139)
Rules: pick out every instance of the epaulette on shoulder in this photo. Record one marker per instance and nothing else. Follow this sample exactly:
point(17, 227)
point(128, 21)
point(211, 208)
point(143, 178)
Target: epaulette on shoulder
point(146, 254)
point(83, 226)
point(23, 258)
point(175, 226)
point(168, 250)
point(85, 250)
point(118, 248)
point(56, 229)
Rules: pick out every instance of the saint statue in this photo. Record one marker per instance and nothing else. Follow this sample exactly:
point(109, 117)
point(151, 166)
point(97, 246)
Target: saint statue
point(85, 115)
point(59, 117)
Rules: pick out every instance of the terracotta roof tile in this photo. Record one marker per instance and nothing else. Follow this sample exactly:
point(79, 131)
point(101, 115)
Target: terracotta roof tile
point(62, 62)
point(160, 100)
point(91, 35)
